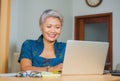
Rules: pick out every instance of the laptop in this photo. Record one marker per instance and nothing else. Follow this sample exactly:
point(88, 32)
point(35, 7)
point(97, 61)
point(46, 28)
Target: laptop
point(84, 57)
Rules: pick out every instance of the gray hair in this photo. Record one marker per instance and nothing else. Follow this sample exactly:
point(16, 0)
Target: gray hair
point(50, 13)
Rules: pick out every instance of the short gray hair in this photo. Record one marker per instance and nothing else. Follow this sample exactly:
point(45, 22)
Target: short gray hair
point(50, 13)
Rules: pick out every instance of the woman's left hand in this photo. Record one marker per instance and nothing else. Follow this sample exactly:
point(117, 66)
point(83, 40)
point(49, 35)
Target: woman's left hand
point(55, 69)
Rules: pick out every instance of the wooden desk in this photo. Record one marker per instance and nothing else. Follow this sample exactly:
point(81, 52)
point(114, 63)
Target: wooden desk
point(65, 78)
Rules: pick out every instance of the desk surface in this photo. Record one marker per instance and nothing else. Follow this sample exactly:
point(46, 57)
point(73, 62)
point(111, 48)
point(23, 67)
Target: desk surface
point(65, 78)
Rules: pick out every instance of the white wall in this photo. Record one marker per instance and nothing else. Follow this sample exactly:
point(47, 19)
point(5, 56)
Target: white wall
point(29, 13)
point(13, 30)
point(25, 18)
point(80, 8)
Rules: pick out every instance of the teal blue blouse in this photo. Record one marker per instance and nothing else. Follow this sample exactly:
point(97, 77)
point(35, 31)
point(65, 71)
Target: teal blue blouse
point(31, 49)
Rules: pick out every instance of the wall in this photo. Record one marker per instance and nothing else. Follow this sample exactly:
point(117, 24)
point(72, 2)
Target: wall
point(13, 31)
point(80, 8)
point(25, 17)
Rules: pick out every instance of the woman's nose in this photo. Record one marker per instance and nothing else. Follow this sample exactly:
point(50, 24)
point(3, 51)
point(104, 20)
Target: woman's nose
point(53, 29)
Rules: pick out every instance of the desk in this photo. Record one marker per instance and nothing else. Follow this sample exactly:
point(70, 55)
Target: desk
point(65, 78)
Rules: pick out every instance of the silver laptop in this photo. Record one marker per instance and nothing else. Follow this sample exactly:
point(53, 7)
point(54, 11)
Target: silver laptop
point(85, 57)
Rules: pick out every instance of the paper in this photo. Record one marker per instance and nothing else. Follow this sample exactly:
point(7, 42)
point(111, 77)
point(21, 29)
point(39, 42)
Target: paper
point(9, 75)
point(49, 74)
point(38, 74)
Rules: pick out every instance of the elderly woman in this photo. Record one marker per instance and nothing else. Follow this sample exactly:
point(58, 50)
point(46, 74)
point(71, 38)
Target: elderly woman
point(45, 53)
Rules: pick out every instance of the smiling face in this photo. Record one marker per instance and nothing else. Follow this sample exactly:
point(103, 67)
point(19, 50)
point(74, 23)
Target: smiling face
point(51, 29)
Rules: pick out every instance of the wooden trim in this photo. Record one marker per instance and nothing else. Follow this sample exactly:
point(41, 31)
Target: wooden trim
point(110, 39)
point(0, 10)
point(81, 28)
point(4, 35)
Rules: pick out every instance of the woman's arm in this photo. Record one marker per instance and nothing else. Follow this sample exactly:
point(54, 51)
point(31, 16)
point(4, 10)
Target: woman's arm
point(26, 64)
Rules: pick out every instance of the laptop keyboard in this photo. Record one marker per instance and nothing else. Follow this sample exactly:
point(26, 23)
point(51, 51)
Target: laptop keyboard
point(115, 72)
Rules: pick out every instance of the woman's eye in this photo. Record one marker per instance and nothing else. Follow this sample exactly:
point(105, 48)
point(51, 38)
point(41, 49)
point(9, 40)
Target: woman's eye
point(58, 27)
point(48, 26)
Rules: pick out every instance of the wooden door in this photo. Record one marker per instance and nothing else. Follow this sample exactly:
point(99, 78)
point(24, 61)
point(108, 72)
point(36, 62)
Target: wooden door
point(102, 19)
point(4, 34)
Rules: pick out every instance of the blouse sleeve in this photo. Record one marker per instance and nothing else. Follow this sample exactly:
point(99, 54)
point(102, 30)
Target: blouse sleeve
point(63, 52)
point(26, 51)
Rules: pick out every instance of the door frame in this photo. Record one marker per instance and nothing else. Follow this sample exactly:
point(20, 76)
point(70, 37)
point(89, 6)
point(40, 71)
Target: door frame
point(94, 18)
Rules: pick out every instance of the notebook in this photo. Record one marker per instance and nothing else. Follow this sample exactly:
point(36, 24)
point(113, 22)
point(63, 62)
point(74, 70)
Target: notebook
point(84, 57)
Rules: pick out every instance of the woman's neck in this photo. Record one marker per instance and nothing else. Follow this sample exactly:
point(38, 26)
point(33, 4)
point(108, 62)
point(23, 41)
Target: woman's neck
point(48, 44)
point(48, 51)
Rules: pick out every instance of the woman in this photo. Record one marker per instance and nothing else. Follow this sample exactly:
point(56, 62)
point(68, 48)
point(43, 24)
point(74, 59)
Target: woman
point(44, 54)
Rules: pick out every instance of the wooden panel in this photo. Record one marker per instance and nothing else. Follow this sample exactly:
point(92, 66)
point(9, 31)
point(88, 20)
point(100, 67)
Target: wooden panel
point(4, 34)
point(0, 10)
point(81, 29)
point(96, 20)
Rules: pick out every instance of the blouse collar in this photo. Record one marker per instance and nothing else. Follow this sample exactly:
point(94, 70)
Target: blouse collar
point(40, 40)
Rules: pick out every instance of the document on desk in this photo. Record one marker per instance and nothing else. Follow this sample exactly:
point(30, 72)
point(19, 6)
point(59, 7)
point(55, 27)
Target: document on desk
point(9, 75)
point(49, 74)
point(38, 74)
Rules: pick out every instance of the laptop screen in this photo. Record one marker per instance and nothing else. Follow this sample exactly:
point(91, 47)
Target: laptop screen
point(85, 57)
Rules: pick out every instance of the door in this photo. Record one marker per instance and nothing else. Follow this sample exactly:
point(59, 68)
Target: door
point(4, 34)
point(96, 27)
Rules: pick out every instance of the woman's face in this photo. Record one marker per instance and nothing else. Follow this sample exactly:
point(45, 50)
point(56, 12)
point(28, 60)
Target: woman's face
point(51, 29)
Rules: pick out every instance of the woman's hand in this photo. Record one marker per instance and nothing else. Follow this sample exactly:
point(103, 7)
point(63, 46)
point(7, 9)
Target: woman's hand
point(55, 69)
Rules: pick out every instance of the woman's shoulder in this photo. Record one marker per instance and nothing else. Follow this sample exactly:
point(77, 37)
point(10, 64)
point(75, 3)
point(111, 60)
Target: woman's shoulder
point(29, 42)
point(61, 44)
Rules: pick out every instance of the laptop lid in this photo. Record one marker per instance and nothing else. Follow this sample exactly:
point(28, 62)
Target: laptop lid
point(85, 57)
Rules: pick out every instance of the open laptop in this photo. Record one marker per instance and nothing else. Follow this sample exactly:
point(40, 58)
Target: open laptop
point(84, 57)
